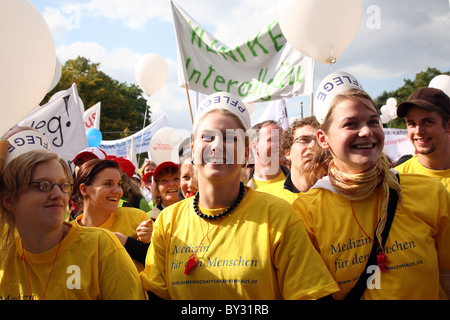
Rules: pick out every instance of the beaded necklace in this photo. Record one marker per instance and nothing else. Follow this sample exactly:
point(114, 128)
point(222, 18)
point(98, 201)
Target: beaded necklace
point(192, 263)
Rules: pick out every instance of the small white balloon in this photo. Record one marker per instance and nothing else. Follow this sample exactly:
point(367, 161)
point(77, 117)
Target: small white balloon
point(391, 103)
point(393, 113)
point(321, 29)
point(151, 73)
point(442, 82)
point(384, 118)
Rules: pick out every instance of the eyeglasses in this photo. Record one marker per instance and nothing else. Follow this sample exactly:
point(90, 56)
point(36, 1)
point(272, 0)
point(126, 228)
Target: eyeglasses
point(46, 186)
point(305, 140)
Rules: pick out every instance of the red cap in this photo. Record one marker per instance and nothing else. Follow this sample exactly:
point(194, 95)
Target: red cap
point(89, 154)
point(163, 165)
point(147, 176)
point(126, 166)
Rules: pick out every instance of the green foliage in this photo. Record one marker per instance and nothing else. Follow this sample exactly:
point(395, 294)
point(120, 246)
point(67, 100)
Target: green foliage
point(122, 104)
point(401, 94)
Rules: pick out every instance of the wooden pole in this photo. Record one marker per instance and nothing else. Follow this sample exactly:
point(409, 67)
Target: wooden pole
point(189, 103)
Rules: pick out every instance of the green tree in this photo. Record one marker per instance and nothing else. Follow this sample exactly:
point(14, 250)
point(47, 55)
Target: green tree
point(122, 105)
point(422, 79)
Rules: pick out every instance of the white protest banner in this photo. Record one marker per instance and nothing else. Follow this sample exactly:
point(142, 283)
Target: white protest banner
point(91, 117)
point(276, 111)
point(61, 122)
point(263, 68)
point(396, 143)
point(142, 139)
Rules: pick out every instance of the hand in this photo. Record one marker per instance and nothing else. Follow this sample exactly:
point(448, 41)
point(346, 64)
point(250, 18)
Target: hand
point(145, 230)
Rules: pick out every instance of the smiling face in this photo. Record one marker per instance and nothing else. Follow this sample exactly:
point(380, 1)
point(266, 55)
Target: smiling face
point(354, 137)
point(168, 184)
point(426, 131)
point(219, 147)
point(104, 192)
point(188, 180)
point(39, 210)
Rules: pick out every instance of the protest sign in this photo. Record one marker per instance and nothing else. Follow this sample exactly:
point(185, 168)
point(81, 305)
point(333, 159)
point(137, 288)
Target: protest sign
point(396, 143)
point(91, 117)
point(141, 139)
point(61, 121)
point(263, 68)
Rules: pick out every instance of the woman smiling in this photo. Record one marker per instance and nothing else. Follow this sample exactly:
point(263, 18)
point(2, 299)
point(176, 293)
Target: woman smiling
point(98, 189)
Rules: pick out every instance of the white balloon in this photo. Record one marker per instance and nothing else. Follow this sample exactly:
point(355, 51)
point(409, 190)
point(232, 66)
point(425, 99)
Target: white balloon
point(27, 60)
point(383, 109)
point(321, 29)
point(393, 113)
point(332, 85)
point(56, 75)
point(384, 118)
point(163, 144)
point(442, 82)
point(391, 103)
point(151, 73)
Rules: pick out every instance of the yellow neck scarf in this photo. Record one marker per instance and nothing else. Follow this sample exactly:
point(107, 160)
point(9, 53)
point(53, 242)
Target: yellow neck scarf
point(361, 185)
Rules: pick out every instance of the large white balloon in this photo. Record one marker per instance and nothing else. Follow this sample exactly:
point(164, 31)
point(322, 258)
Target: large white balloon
point(164, 144)
point(56, 75)
point(321, 29)
point(151, 73)
point(27, 60)
point(442, 82)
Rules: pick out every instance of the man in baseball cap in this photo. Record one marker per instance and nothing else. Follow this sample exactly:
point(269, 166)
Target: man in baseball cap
point(427, 116)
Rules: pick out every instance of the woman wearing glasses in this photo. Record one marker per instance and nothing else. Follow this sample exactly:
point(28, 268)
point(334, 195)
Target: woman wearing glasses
point(98, 190)
point(297, 144)
point(43, 257)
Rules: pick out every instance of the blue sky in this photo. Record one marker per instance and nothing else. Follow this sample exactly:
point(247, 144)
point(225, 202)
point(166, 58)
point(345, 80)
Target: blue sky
point(410, 35)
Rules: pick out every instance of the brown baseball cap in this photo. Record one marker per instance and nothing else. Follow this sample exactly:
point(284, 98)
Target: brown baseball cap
point(426, 98)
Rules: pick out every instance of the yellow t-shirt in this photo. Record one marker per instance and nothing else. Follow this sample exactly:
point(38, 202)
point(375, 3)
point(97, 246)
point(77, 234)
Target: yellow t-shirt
point(416, 248)
point(277, 189)
point(91, 264)
point(414, 166)
point(125, 220)
point(260, 183)
point(259, 251)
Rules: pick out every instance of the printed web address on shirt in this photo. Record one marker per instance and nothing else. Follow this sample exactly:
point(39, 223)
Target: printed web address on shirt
point(214, 281)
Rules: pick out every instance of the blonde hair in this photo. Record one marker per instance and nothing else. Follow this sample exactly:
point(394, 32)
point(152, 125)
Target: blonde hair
point(14, 180)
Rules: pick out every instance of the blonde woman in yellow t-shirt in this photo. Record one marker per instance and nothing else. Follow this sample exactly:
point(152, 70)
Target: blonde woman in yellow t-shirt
point(229, 241)
point(43, 257)
point(345, 212)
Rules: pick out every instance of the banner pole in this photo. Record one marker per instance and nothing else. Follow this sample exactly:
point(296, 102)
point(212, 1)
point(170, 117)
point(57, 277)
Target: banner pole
point(189, 103)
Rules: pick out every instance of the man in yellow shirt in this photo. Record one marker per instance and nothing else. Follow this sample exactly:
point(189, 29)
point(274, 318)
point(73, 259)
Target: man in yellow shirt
point(266, 150)
point(427, 116)
point(298, 142)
